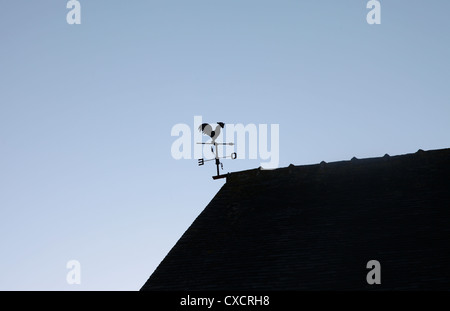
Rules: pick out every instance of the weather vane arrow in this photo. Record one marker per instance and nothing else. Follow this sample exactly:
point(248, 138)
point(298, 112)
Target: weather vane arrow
point(207, 130)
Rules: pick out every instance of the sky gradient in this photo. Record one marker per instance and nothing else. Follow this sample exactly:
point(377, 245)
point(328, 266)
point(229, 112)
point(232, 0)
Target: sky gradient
point(86, 113)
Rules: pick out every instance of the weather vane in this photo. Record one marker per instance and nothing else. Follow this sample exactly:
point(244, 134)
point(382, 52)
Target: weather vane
point(207, 130)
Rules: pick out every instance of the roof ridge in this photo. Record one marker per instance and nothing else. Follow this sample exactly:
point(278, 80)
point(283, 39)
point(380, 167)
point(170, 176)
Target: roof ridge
point(354, 160)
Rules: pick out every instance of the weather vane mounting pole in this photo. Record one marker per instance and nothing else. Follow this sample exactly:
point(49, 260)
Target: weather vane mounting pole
point(206, 129)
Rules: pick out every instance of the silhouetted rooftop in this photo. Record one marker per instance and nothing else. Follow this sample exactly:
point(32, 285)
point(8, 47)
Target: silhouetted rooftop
point(315, 227)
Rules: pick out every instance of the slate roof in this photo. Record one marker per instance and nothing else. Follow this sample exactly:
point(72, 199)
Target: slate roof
point(315, 227)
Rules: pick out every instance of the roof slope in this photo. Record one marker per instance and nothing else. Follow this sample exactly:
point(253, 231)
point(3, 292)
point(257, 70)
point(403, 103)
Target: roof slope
point(315, 227)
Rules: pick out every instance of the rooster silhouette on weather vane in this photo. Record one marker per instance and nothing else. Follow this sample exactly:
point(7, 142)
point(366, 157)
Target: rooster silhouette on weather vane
point(207, 130)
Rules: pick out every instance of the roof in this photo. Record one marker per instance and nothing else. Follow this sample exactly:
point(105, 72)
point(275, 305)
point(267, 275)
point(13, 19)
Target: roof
point(315, 227)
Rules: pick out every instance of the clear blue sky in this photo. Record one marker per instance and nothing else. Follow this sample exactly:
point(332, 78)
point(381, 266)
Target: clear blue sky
point(86, 113)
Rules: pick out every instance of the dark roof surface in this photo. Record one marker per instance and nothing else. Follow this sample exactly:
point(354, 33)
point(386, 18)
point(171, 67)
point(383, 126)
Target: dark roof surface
point(315, 227)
